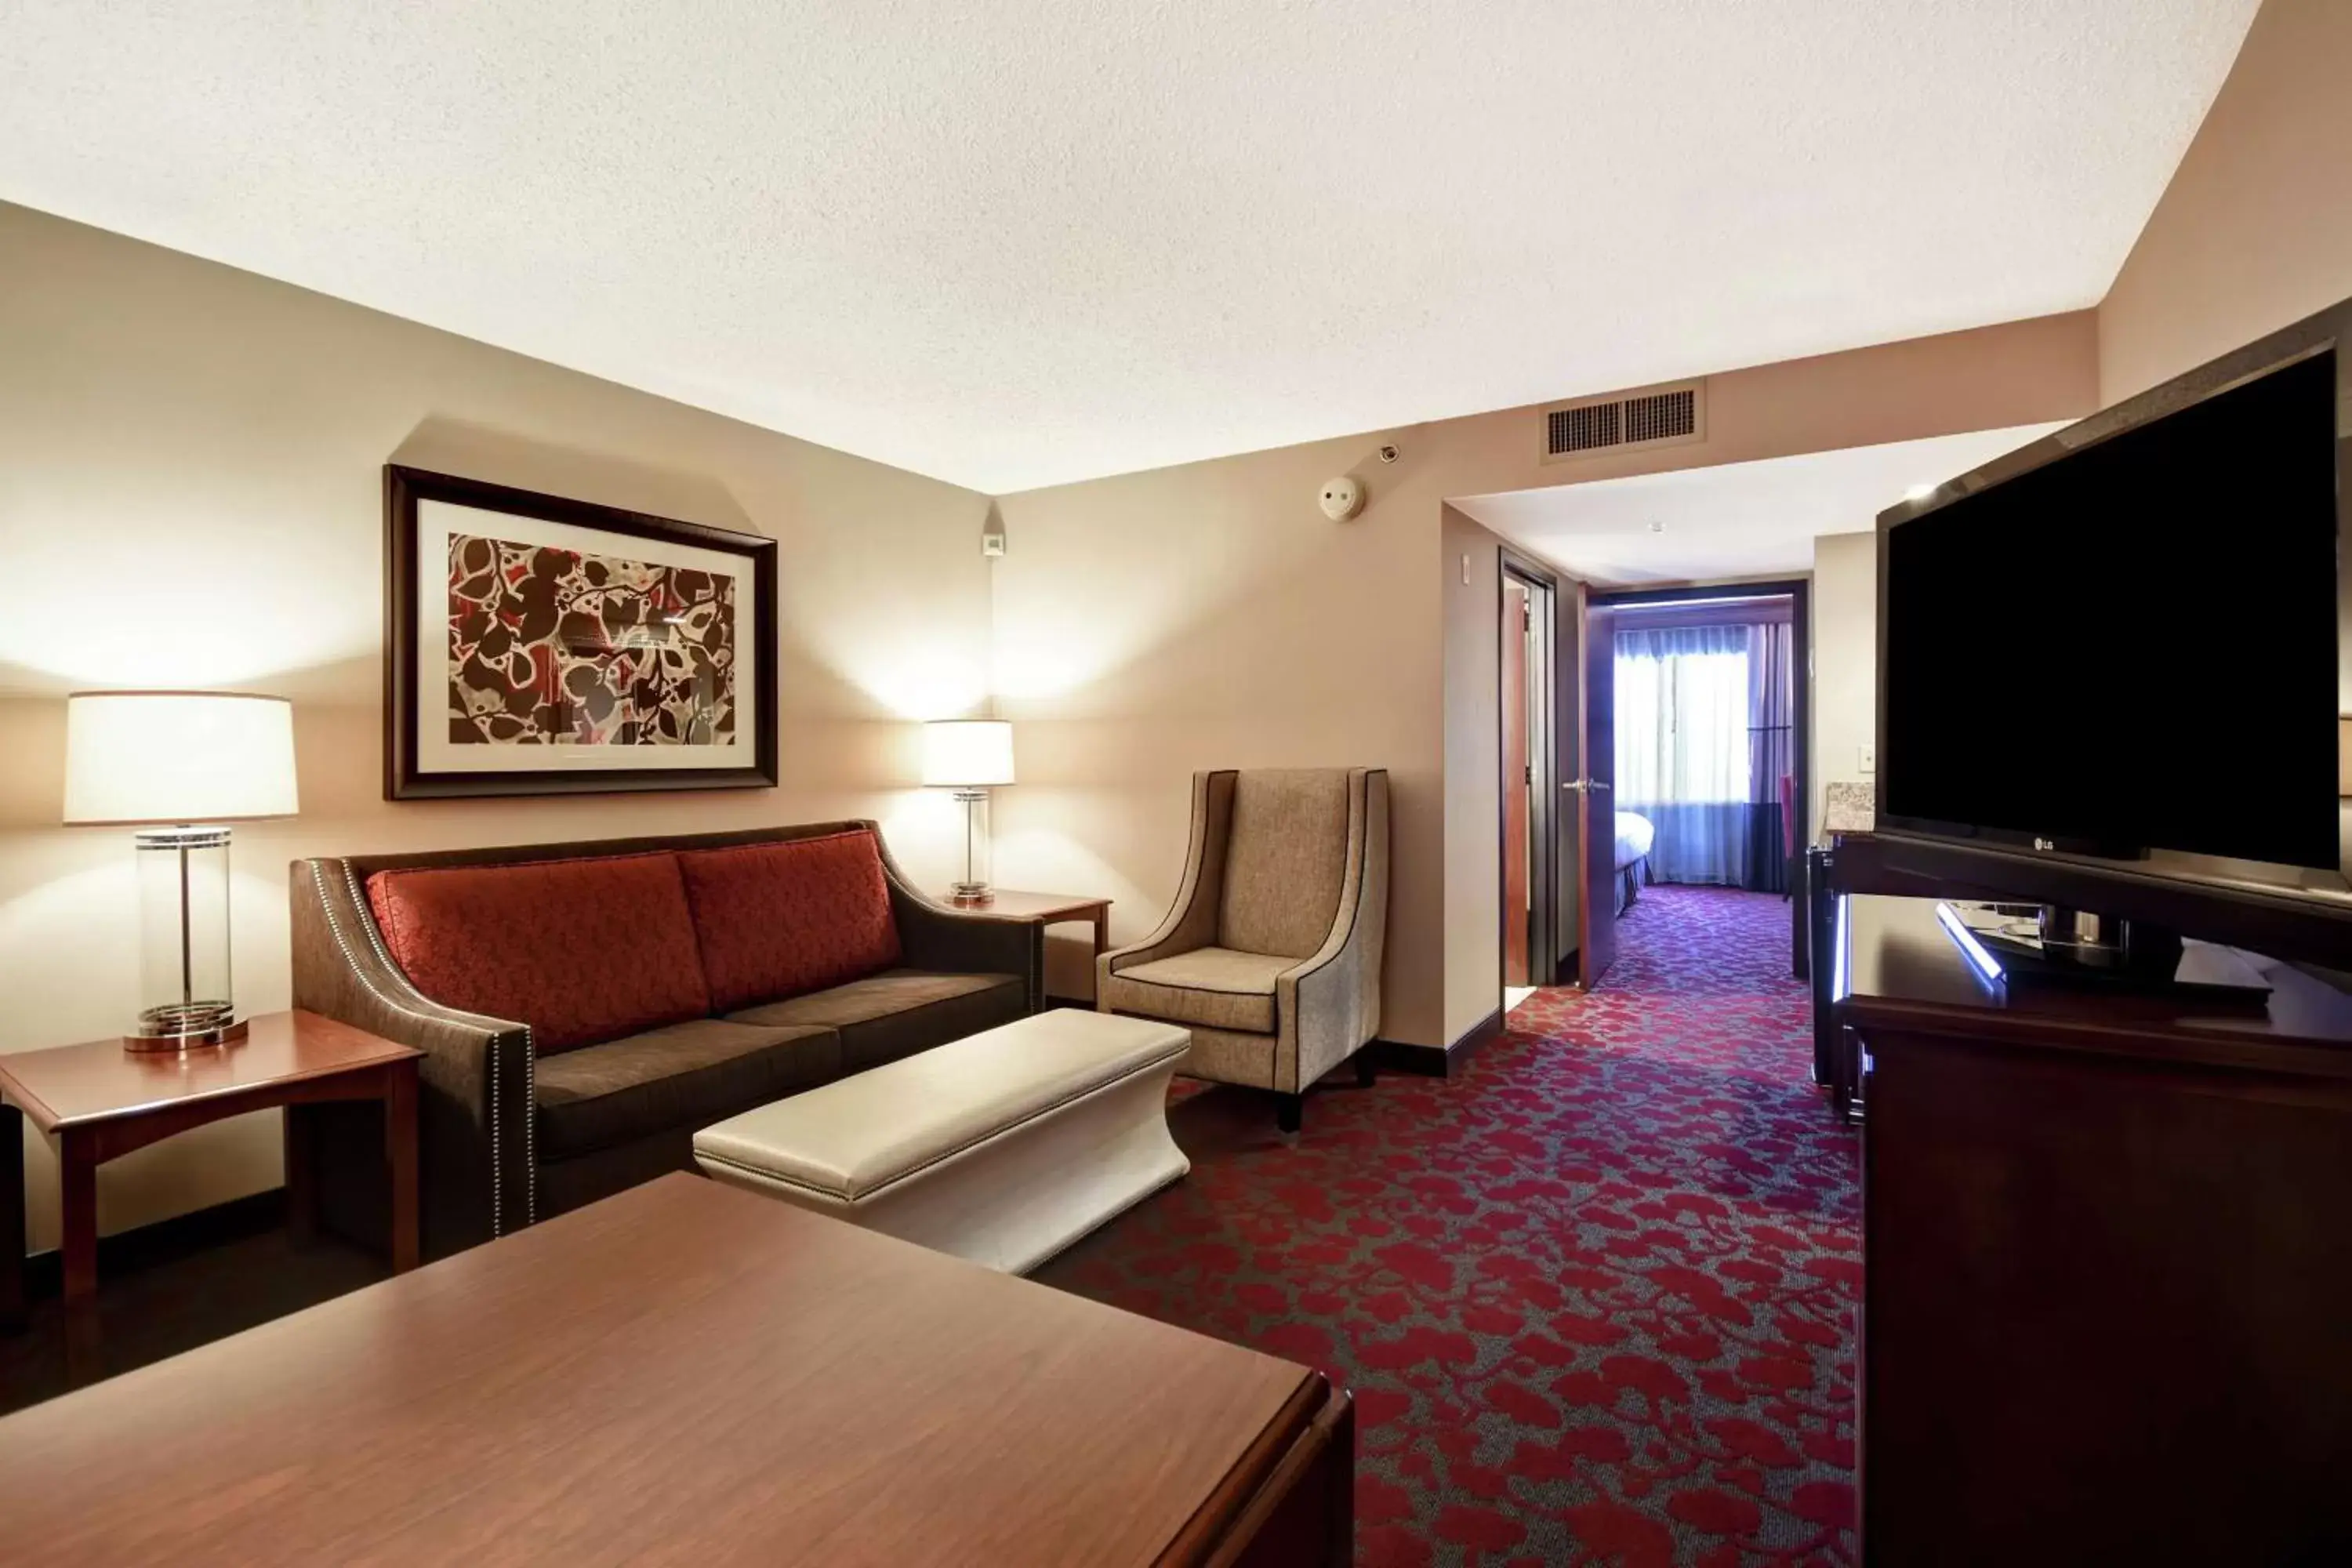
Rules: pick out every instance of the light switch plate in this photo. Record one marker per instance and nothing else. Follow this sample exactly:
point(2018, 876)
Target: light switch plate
point(1465, 571)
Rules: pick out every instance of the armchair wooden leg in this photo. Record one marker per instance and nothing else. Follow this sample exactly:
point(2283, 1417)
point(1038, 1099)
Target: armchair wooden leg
point(1287, 1109)
point(1366, 1073)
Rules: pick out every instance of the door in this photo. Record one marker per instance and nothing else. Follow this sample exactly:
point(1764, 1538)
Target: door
point(1567, 715)
point(1519, 908)
point(1594, 788)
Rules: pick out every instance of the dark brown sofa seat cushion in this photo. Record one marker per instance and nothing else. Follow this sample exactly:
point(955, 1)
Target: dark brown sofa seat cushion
point(684, 1076)
point(900, 1011)
point(784, 919)
point(582, 950)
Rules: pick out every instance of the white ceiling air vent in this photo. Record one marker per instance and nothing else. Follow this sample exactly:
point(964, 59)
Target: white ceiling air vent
point(1652, 416)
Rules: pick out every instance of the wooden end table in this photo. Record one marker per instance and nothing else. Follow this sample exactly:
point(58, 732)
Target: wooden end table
point(1045, 908)
point(99, 1101)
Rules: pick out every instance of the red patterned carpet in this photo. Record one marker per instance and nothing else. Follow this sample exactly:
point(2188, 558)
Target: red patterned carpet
point(1595, 1297)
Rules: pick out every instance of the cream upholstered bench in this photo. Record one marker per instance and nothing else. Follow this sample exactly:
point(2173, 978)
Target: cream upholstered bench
point(1002, 1147)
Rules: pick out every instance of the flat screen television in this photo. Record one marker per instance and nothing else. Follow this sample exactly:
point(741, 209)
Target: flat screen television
point(2124, 639)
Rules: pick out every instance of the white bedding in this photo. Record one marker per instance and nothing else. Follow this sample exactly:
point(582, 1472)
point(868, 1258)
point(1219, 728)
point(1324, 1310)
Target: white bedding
point(1635, 834)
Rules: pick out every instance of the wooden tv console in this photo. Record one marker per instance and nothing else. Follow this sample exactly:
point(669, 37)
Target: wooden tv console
point(2108, 1240)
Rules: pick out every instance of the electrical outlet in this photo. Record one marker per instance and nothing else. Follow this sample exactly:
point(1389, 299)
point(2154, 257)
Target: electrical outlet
point(1868, 759)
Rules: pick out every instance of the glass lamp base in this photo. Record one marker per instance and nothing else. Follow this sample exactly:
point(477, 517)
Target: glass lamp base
point(185, 988)
point(972, 887)
point(184, 1026)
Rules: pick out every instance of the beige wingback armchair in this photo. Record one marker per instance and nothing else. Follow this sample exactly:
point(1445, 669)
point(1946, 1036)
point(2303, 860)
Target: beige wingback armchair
point(1271, 955)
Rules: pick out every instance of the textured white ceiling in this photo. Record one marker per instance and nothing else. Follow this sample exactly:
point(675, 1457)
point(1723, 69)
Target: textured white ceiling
point(1734, 520)
point(1016, 242)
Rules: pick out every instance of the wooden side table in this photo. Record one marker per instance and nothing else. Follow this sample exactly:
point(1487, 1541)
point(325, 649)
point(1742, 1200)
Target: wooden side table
point(1047, 908)
point(99, 1102)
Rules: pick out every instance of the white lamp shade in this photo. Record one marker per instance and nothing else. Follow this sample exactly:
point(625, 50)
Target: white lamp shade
point(178, 756)
point(968, 754)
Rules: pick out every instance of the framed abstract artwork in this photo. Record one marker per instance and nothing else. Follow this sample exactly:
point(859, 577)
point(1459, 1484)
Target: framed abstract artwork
point(542, 646)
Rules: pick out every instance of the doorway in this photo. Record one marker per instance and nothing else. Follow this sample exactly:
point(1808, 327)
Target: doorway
point(1555, 642)
point(1529, 764)
point(1552, 773)
point(1711, 699)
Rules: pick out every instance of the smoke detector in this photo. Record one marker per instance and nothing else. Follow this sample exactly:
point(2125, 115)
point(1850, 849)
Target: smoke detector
point(1342, 497)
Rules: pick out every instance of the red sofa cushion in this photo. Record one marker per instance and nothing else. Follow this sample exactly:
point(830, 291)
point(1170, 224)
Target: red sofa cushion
point(798, 915)
point(582, 950)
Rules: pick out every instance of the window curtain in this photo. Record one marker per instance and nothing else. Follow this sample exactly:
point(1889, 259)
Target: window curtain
point(1684, 757)
point(1772, 754)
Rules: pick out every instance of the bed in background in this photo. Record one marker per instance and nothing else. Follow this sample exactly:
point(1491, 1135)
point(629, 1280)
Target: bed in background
point(1635, 835)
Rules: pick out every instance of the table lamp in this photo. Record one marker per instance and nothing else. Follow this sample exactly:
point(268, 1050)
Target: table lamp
point(968, 756)
point(179, 765)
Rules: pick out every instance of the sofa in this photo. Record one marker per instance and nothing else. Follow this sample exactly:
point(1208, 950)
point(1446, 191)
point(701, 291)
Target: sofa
point(583, 1008)
point(1271, 952)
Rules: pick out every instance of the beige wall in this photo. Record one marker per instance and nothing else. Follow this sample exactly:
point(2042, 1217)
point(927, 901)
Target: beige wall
point(1844, 635)
point(190, 494)
point(2255, 229)
point(1210, 615)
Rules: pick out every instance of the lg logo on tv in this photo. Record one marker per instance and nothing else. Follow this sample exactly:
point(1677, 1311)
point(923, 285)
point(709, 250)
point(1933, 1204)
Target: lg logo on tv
point(2045, 844)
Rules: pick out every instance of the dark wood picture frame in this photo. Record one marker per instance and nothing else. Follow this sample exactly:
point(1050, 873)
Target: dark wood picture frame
point(404, 779)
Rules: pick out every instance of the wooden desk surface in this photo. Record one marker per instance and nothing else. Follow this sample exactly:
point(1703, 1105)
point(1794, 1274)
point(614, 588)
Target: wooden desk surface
point(66, 1086)
point(682, 1374)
